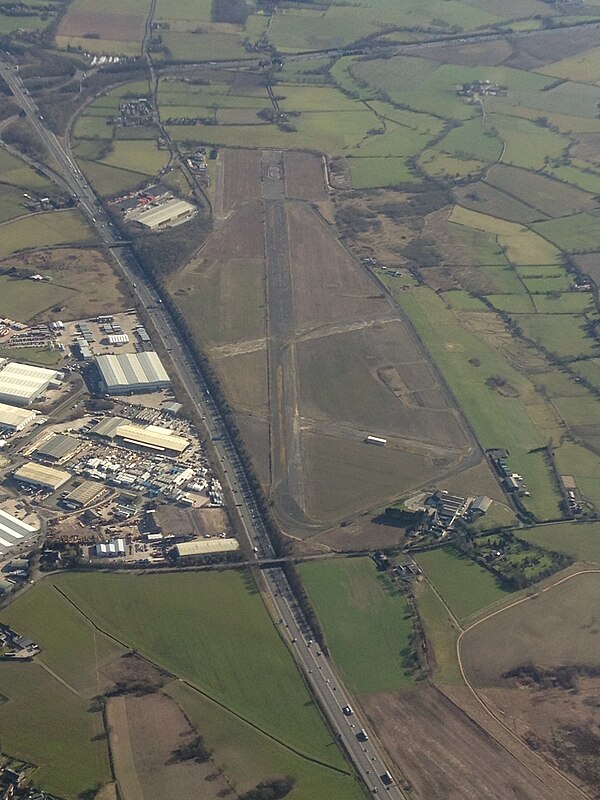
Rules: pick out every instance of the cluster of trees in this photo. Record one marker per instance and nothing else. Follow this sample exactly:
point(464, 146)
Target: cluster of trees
point(194, 750)
point(562, 677)
point(233, 11)
point(273, 789)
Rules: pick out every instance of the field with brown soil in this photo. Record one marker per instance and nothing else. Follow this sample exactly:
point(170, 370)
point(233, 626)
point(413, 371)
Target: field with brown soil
point(240, 237)
point(244, 379)
point(519, 635)
point(192, 520)
point(304, 176)
point(328, 284)
point(241, 177)
point(119, 27)
point(530, 52)
point(90, 282)
point(445, 755)
point(144, 733)
point(562, 724)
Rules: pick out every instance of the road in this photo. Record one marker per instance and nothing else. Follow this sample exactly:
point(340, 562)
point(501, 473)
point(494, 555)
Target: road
point(366, 758)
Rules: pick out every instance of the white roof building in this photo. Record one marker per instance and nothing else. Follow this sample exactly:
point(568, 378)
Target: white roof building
point(15, 419)
point(132, 372)
point(165, 215)
point(204, 547)
point(13, 531)
point(22, 384)
point(40, 475)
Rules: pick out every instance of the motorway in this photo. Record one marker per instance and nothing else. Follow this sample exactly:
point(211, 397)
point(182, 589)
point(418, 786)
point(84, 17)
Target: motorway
point(366, 757)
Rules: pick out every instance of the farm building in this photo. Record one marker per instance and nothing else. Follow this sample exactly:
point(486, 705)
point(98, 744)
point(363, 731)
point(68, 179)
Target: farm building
point(84, 494)
point(15, 419)
point(22, 384)
point(205, 547)
point(57, 447)
point(41, 476)
point(132, 372)
point(13, 530)
point(165, 215)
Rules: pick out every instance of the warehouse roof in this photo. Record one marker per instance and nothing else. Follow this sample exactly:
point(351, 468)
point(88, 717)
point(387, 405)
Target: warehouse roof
point(203, 547)
point(162, 214)
point(13, 527)
point(85, 493)
point(58, 446)
point(23, 380)
point(45, 476)
point(152, 436)
point(131, 369)
point(108, 426)
point(12, 417)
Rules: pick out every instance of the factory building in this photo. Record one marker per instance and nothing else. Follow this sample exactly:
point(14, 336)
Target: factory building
point(112, 549)
point(57, 448)
point(152, 437)
point(205, 547)
point(13, 531)
point(22, 384)
point(83, 495)
point(14, 419)
point(41, 476)
point(131, 372)
point(165, 215)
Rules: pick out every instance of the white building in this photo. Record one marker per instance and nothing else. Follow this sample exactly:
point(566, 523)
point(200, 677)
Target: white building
point(132, 372)
point(15, 419)
point(22, 384)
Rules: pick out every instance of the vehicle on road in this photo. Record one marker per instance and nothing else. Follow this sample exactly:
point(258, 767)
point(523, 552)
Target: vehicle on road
point(362, 735)
point(347, 711)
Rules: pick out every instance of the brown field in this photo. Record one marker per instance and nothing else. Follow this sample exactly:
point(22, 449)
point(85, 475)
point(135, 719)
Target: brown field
point(445, 755)
point(589, 265)
point(304, 176)
point(328, 284)
point(119, 27)
point(241, 177)
point(255, 430)
point(490, 200)
point(472, 55)
point(90, 282)
point(192, 520)
point(557, 723)
point(362, 533)
point(241, 236)
point(587, 147)
point(144, 732)
point(519, 635)
point(530, 52)
point(244, 379)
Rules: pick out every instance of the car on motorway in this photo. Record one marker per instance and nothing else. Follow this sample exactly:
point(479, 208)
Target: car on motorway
point(362, 735)
point(347, 710)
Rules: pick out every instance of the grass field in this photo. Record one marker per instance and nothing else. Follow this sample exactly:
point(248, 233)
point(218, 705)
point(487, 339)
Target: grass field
point(111, 180)
point(37, 708)
point(463, 585)
point(366, 621)
point(562, 334)
point(42, 230)
point(17, 173)
point(576, 234)
point(579, 540)
point(201, 624)
point(519, 635)
point(372, 171)
point(137, 156)
point(25, 299)
point(441, 633)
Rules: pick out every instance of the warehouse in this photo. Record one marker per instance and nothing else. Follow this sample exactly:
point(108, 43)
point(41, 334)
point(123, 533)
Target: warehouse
point(58, 447)
point(153, 437)
point(15, 419)
point(83, 495)
point(13, 531)
point(41, 476)
point(22, 384)
point(165, 215)
point(206, 547)
point(131, 373)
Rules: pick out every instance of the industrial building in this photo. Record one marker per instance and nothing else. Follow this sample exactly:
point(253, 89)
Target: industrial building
point(57, 448)
point(13, 530)
point(164, 215)
point(22, 384)
point(15, 419)
point(153, 437)
point(131, 373)
point(83, 495)
point(205, 547)
point(41, 476)
point(112, 549)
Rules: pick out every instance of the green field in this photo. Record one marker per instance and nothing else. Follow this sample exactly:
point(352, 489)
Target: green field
point(197, 626)
point(366, 621)
point(576, 234)
point(441, 634)
point(463, 585)
point(46, 724)
point(579, 540)
point(42, 230)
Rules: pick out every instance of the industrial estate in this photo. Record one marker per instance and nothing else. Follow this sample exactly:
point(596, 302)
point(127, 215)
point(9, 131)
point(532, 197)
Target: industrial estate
point(299, 400)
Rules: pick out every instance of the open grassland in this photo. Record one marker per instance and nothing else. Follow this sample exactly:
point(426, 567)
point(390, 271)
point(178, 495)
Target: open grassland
point(18, 173)
point(11, 202)
point(576, 234)
point(583, 67)
point(463, 585)
point(366, 620)
point(22, 300)
point(112, 21)
point(562, 334)
point(472, 140)
point(248, 756)
point(576, 460)
point(386, 171)
point(109, 181)
point(46, 724)
point(519, 635)
point(137, 156)
point(549, 196)
point(579, 540)
point(43, 230)
point(441, 633)
point(201, 623)
point(487, 199)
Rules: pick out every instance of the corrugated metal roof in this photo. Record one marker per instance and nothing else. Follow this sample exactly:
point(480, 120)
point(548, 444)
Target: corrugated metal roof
point(85, 493)
point(39, 474)
point(152, 436)
point(24, 381)
point(58, 446)
point(202, 547)
point(11, 416)
point(131, 370)
point(153, 217)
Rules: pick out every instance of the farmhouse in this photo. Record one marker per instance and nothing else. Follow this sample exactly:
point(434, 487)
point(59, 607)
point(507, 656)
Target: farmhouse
point(131, 372)
point(22, 384)
point(165, 215)
point(41, 476)
point(14, 419)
